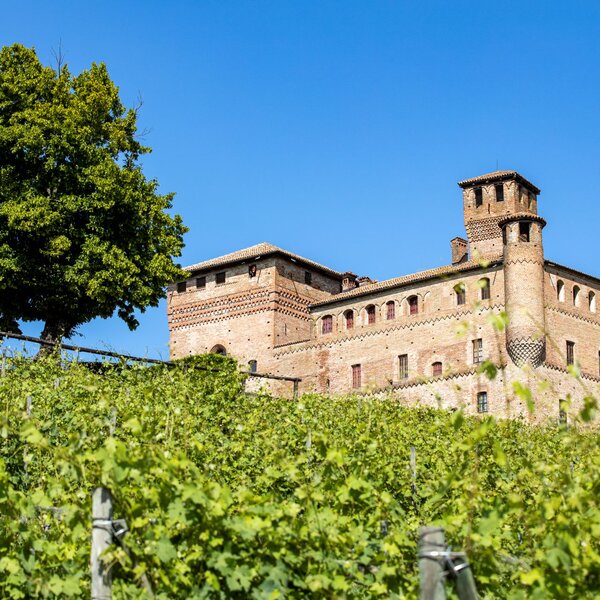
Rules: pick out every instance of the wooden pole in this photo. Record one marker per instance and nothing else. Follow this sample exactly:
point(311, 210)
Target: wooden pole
point(431, 563)
point(102, 514)
point(464, 581)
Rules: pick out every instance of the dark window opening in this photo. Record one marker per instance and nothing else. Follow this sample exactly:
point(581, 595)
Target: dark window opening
point(570, 353)
point(370, 314)
point(349, 315)
point(482, 402)
point(252, 366)
point(356, 376)
point(478, 197)
point(524, 232)
point(218, 349)
point(220, 277)
point(461, 294)
point(391, 310)
point(436, 367)
point(477, 351)
point(327, 324)
point(307, 277)
point(413, 305)
point(485, 288)
point(403, 363)
point(252, 271)
point(499, 192)
point(181, 286)
point(200, 282)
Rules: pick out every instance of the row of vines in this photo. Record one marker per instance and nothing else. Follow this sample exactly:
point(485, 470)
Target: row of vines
point(233, 495)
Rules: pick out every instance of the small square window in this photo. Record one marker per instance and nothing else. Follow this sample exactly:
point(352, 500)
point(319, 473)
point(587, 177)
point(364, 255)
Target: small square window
point(220, 277)
point(181, 286)
point(200, 282)
point(307, 277)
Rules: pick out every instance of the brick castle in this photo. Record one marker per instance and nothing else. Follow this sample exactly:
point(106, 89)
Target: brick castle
point(423, 336)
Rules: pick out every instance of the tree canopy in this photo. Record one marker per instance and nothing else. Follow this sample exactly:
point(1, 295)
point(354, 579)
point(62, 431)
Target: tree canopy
point(83, 233)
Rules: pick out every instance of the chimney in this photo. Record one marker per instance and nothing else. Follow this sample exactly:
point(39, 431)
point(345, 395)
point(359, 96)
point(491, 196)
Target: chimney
point(348, 281)
point(460, 250)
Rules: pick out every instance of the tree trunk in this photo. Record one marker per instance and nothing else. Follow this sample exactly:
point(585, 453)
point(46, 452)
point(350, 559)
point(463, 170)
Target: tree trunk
point(53, 333)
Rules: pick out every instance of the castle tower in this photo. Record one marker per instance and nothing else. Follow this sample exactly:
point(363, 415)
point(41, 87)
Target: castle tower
point(487, 199)
point(524, 288)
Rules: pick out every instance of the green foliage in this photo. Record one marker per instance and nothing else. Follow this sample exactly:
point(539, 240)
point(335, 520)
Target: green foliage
point(82, 232)
point(229, 495)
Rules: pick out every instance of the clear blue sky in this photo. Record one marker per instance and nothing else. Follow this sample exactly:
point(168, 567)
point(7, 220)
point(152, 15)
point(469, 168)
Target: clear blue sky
point(338, 130)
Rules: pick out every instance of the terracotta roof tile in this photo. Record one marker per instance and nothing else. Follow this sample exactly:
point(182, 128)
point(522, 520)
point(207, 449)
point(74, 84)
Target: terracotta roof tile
point(254, 252)
point(498, 176)
point(364, 290)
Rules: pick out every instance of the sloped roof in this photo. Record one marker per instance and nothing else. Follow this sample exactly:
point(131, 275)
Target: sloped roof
point(498, 176)
point(258, 251)
point(438, 272)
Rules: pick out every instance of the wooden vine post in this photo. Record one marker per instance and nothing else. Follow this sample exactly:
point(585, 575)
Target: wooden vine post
point(102, 513)
point(431, 566)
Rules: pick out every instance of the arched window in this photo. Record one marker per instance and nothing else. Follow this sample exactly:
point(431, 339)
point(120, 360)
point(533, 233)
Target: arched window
point(252, 366)
point(370, 314)
point(484, 286)
point(436, 369)
point(461, 294)
point(413, 305)
point(327, 324)
point(390, 308)
point(218, 349)
point(349, 319)
point(592, 301)
point(576, 291)
point(560, 291)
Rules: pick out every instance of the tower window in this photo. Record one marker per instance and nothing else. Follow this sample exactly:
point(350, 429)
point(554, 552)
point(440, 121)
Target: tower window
point(391, 310)
point(484, 284)
point(181, 286)
point(327, 326)
point(436, 369)
point(252, 366)
point(482, 402)
point(478, 197)
point(252, 271)
point(307, 277)
point(413, 305)
point(218, 349)
point(403, 366)
point(220, 278)
point(349, 316)
point(477, 351)
point(499, 192)
point(370, 314)
point(461, 295)
point(576, 291)
point(592, 301)
point(560, 291)
point(356, 376)
point(524, 232)
point(200, 282)
point(570, 353)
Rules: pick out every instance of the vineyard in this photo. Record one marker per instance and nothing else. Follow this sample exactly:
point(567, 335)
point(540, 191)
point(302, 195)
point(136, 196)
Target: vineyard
point(235, 495)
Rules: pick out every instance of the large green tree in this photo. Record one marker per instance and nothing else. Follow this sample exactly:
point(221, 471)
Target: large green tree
point(83, 233)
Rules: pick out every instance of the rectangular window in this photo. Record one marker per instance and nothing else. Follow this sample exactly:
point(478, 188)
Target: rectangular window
point(181, 286)
point(391, 311)
point(200, 282)
point(485, 290)
point(370, 315)
point(524, 232)
point(220, 277)
point(436, 368)
point(403, 362)
point(413, 304)
point(327, 324)
point(461, 296)
point(499, 192)
point(570, 353)
point(307, 277)
point(482, 402)
point(478, 197)
point(356, 376)
point(477, 351)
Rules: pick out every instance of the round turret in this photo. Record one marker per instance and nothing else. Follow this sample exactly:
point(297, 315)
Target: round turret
point(524, 288)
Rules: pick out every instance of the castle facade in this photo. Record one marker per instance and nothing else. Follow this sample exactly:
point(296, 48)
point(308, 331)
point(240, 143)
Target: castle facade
point(431, 337)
